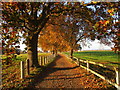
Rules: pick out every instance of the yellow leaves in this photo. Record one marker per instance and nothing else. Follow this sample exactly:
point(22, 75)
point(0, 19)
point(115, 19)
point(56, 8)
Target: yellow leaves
point(107, 22)
point(16, 8)
point(111, 11)
point(94, 2)
point(104, 22)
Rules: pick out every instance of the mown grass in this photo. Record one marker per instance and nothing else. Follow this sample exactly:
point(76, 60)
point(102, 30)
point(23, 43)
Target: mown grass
point(108, 57)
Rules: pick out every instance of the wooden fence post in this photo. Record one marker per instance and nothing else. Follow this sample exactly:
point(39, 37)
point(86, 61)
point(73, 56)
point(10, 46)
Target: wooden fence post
point(47, 59)
point(117, 70)
point(27, 66)
point(44, 60)
point(41, 61)
point(22, 69)
point(87, 66)
point(78, 61)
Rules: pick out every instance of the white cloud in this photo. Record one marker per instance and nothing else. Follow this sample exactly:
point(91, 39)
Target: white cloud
point(95, 45)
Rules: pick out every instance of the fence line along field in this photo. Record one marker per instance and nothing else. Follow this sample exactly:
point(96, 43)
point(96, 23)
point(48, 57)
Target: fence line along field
point(11, 72)
point(104, 57)
point(104, 64)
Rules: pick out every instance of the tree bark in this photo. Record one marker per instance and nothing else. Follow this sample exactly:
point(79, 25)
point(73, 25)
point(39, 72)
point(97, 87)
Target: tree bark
point(71, 53)
point(32, 51)
point(53, 52)
point(56, 52)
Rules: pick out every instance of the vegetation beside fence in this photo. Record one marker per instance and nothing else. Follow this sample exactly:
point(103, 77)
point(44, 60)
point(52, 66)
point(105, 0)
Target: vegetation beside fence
point(18, 74)
point(108, 73)
point(104, 64)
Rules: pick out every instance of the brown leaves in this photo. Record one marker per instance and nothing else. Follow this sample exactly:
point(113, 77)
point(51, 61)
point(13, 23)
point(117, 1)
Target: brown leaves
point(52, 38)
point(23, 16)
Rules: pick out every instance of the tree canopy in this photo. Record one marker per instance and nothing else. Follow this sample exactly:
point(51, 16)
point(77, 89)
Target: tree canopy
point(95, 20)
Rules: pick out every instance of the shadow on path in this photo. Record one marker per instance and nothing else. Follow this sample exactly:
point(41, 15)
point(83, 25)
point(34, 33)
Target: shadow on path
point(48, 70)
point(51, 68)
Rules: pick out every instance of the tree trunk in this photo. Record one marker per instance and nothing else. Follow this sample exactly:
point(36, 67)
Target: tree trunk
point(56, 52)
point(53, 52)
point(32, 51)
point(71, 53)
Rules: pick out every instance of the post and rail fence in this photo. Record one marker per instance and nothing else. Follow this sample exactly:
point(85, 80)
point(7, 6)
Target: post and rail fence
point(43, 60)
point(25, 66)
point(88, 65)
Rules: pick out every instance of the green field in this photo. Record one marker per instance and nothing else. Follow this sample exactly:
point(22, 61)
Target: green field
point(23, 57)
point(106, 57)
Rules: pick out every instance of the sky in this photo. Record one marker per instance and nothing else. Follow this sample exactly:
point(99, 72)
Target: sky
point(95, 45)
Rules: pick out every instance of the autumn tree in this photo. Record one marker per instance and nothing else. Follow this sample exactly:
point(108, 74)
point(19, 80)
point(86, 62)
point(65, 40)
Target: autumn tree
point(106, 20)
point(69, 26)
point(75, 25)
point(76, 28)
point(53, 39)
point(29, 18)
point(96, 20)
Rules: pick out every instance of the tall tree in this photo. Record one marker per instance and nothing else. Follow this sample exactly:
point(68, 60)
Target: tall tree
point(29, 18)
point(53, 39)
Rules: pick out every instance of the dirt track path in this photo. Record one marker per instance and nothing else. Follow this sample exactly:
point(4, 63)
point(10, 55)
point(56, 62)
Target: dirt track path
point(61, 73)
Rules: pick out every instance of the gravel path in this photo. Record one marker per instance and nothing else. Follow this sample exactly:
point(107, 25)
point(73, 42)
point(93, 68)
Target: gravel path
point(63, 74)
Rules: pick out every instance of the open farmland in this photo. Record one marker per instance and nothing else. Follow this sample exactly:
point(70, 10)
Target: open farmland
point(105, 57)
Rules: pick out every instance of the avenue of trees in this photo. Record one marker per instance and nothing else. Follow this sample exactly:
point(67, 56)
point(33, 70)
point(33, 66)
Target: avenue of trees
point(58, 26)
